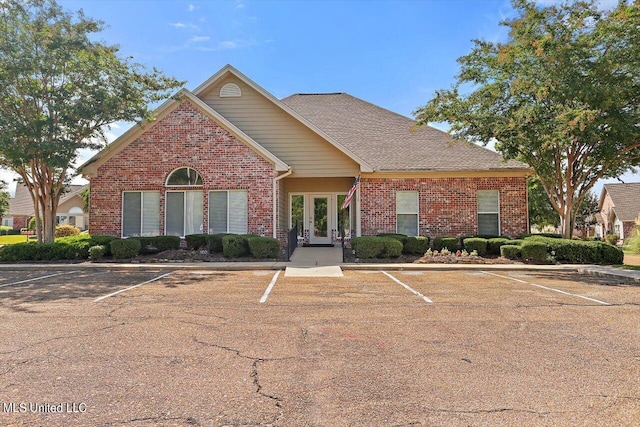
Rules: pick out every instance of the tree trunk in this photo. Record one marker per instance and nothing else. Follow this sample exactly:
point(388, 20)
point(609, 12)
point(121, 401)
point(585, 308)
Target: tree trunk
point(566, 220)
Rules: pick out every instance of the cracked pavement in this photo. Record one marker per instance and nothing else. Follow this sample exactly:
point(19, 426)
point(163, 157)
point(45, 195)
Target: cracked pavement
point(197, 349)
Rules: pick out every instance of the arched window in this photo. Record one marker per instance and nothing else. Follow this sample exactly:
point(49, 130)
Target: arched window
point(184, 177)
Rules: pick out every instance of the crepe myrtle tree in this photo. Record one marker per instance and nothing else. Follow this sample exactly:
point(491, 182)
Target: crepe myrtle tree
point(561, 94)
point(59, 90)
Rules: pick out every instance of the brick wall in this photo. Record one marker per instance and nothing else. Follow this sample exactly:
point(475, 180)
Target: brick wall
point(447, 206)
point(185, 137)
point(20, 222)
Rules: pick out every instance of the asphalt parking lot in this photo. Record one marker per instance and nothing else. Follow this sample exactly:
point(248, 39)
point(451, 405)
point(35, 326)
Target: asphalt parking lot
point(146, 347)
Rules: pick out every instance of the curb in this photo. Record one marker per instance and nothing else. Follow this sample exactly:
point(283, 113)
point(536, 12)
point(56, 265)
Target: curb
point(629, 276)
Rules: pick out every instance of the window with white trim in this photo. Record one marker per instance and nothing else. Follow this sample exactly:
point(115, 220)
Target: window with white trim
point(140, 213)
point(184, 213)
point(228, 211)
point(489, 212)
point(407, 212)
point(184, 177)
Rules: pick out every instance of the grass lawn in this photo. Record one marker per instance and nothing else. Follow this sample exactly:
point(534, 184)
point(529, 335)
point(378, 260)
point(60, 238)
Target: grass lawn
point(629, 267)
point(7, 240)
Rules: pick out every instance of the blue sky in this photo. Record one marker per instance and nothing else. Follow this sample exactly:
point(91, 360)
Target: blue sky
point(392, 53)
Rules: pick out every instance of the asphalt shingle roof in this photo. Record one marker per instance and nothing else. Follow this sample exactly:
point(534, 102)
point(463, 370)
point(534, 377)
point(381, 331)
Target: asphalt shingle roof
point(626, 200)
point(388, 141)
point(22, 205)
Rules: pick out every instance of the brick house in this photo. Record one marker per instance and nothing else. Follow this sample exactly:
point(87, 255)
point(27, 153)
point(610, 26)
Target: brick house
point(230, 157)
point(619, 208)
point(70, 209)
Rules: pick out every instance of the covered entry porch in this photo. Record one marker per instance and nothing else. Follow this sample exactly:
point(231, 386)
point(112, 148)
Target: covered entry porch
point(315, 206)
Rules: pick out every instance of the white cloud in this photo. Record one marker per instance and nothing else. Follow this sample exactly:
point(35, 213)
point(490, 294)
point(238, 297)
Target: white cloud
point(199, 39)
point(191, 7)
point(177, 24)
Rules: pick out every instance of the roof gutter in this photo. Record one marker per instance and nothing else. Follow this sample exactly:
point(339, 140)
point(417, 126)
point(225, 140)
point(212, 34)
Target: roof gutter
point(275, 201)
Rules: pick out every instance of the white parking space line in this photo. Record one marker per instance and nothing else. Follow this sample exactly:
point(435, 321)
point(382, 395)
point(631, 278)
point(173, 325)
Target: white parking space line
point(38, 278)
point(270, 287)
point(413, 291)
point(547, 288)
point(131, 287)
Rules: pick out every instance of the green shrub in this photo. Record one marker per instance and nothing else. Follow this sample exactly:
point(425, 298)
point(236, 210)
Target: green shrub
point(155, 244)
point(367, 246)
point(489, 236)
point(581, 252)
point(235, 246)
point(534, 251)
point(66, 230)
point(391, 247)
point(18, 252)
point(215, 242)
point(609, 254)
point(611, 239)
point(125, 248)
point(56, 251)
point(450, 243)
point(5, 229)
point(96, 252)
point(196, 241)
point(401, 237)
point(510, 251)
point(549, 235)
point(416, 245)
point(514, 242)
point(103, 241)
point(264, 247)
point(477, 244)
point(494, 244)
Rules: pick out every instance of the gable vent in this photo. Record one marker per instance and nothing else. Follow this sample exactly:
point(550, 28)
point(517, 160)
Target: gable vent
point(230, 90)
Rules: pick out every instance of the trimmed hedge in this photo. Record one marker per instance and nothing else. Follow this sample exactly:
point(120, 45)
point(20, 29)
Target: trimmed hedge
point(96, 252)
point(579, 251)
point(376, 247)
point(494, 244)
point(477, 244)
point(235, 246)
point(215, 241)
point(155, 244)
point(510, 251)
point(125, 248)
point(196, 241)
point(450, 243)
point(391, 248)
point(514, 242)
point(367, 246)
point(416, 245)
point(401, 237)
point(32, 251)
point(534, 251)
point(263, 247)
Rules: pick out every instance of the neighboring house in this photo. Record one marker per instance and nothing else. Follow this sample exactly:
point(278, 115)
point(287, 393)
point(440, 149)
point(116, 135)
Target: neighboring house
point(230, 157)
point(70, 209)
point(619, 208)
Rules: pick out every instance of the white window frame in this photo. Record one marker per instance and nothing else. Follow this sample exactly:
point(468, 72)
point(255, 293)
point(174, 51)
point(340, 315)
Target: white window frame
point(166, 183)
point(142, 193)
point(228, 204)
point(416, 213)
point(7, 221)
point(491, 213)
point(184, 207)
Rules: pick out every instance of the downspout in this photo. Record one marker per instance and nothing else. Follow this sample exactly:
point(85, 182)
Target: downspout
point(275, 204)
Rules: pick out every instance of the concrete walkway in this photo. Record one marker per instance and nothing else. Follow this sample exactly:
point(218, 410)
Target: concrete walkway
point(315, 262)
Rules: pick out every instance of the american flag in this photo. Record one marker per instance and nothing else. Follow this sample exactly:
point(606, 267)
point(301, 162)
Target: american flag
point(347, 200)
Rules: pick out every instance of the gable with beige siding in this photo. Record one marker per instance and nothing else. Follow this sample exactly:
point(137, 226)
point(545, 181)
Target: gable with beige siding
point(306, 152)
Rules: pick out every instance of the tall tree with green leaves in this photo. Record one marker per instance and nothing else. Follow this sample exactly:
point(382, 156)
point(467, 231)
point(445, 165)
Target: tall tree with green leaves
point(59, 89)
point(541, 211)
point(586, 213)
point(562, 94)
